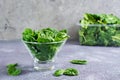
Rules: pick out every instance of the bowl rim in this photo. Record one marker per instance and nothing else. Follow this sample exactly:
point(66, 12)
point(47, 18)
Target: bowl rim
point(44, 43)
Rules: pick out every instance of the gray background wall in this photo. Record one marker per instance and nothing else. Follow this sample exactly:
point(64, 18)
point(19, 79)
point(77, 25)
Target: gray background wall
point(15, 15)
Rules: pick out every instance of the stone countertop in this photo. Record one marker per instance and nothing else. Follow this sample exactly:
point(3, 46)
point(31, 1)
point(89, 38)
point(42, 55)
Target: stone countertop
point(103, 62)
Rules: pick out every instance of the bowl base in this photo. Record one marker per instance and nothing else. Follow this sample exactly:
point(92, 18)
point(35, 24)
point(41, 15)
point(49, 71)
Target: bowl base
point(43, 69)
point(43, 65)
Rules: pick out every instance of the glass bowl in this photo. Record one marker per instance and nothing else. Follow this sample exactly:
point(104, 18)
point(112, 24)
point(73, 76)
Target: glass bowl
point(43, 54)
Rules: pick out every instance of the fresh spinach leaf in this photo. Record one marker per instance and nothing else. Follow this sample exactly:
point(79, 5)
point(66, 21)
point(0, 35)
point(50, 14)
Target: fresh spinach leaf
point(58, 72)
point(71, 72)
point(81, 62)
point(12, 70)
point(67, 72)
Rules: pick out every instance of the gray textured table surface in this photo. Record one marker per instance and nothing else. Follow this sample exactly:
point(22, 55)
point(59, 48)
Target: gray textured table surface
point(103, 62)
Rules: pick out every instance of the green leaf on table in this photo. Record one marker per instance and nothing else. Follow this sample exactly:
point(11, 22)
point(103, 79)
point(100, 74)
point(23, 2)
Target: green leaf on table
point(71, 72)
point(81, 62)
point(12, 70)
point(58, 72)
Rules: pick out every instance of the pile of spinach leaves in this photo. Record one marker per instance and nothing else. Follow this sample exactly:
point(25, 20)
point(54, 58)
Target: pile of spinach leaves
point(99, 30)
point(44, 43)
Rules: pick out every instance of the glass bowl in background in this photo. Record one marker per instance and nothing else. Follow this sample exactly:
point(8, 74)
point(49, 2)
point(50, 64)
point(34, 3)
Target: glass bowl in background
point(43, 54)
